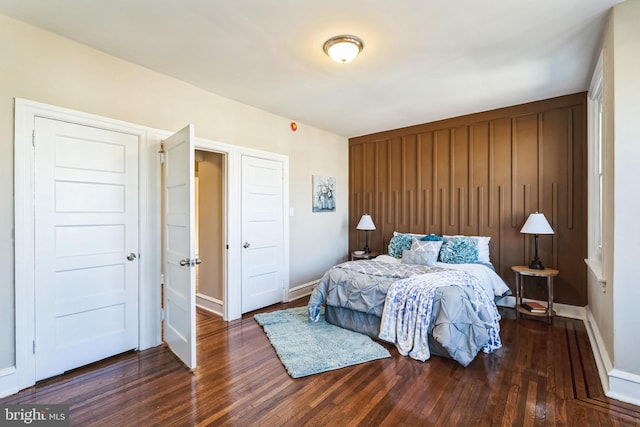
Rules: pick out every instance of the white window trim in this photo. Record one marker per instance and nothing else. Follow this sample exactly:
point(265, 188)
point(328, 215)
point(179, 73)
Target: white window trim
point(595, 173)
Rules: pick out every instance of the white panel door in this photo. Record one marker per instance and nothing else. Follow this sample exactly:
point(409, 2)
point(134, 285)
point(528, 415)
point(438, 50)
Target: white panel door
point(262, 232)
point(179, 246)
point(86, 245)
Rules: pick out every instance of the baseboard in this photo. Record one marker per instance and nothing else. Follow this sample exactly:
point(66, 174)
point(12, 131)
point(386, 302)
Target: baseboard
point(571, 311)
point(624, 386)
point(603, 362)
point(8, 382)
point(617, 384)
point(8, 391)
point(303, 290)
point(210, 304)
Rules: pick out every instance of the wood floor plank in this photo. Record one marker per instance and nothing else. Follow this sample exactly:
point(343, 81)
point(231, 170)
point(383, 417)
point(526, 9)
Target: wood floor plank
point(545, 374)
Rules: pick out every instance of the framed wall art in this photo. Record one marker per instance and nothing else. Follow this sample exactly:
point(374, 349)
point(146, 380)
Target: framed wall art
point(324, 193)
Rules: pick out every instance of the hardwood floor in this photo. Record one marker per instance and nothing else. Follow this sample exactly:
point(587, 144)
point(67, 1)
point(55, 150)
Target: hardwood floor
point(544, 375)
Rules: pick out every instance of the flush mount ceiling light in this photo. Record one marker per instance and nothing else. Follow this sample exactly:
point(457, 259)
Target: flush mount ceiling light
point(343, 49)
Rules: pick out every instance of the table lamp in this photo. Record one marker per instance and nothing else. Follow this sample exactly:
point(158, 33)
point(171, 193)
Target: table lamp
point(536, 224)
point(366, 224)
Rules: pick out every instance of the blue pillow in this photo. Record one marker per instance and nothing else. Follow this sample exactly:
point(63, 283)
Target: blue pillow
point(432, 238)
point(399, 243)
point(459, 251)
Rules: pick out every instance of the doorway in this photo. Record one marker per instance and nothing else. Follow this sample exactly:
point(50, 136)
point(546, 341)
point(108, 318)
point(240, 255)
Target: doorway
point(210, 226)
point(199, 225)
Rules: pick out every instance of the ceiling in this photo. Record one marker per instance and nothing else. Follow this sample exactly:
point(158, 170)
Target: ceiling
point(423, 60)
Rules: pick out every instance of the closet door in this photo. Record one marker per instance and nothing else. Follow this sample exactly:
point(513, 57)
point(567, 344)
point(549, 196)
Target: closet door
point(86, 245)
point(262, 232)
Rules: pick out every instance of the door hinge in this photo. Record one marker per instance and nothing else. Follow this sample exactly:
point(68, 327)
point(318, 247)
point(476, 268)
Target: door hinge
point(34, 346)
point(161, 153)
point(33, 138)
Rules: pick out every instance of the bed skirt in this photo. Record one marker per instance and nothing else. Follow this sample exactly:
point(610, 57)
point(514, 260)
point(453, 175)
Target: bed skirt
point(369, 324)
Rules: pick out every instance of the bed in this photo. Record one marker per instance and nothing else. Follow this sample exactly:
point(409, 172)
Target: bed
point(430, 295)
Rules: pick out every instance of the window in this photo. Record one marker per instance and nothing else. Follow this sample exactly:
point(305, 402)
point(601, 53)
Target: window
point(596, 184)
point(597, 130)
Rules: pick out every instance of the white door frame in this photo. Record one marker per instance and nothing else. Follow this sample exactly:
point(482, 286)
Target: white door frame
point(231, 292)
point(22, 374)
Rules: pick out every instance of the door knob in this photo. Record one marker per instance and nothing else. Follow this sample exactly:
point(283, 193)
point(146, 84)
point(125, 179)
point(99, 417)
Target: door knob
point(131, 256)
point(246, 245)
point(190, 262)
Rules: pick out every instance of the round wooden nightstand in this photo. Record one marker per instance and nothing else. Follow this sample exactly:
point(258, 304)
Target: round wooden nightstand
point(549, 273)
point(370, 255)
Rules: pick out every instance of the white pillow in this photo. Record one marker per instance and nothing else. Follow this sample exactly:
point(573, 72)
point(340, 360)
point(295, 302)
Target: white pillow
point(482, 244)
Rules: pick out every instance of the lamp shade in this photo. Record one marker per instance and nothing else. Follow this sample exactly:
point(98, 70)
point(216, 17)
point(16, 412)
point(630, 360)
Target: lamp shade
point(536, 224)
point(366, 223)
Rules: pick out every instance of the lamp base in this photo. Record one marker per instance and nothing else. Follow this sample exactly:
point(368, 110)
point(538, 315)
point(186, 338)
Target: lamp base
point(536, 265)
point(366, 242)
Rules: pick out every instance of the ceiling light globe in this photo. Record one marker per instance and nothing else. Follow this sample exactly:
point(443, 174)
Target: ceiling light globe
point(343, 49)
point(343, 52)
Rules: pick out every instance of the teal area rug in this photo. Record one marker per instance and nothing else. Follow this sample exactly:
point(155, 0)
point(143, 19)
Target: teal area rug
point(307, 348)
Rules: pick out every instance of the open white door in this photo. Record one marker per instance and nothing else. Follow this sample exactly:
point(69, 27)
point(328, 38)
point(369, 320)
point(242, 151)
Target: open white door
point(179, 246)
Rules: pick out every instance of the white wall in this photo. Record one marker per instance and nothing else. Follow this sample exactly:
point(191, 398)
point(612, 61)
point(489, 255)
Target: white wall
point(626, 39)
point(615, 312)
point(40, 66)
point(600, 299)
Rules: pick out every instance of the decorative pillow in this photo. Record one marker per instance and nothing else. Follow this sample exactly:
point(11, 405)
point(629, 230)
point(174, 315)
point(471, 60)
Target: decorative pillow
point(459, 251)
point(432, 238)
point(432, 248)
point(428, 258)
point(481, 243)
point(398, 243)
point(414, 235)
point(420, 245)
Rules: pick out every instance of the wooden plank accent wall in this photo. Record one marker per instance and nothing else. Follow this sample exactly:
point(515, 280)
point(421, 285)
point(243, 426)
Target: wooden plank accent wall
point(482, 174)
